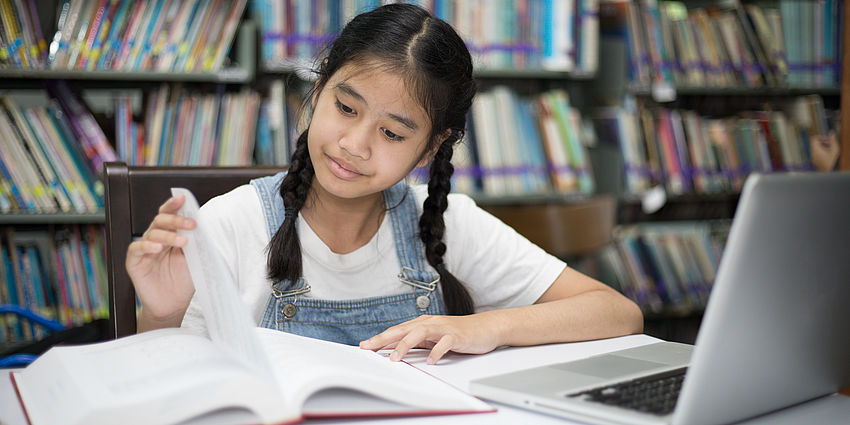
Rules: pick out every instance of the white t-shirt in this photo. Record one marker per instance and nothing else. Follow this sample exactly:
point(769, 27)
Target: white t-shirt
point(499, 267)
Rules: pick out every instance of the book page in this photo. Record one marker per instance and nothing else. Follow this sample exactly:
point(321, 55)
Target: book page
point(306, 366)
point(152, 377)
point(227, 320)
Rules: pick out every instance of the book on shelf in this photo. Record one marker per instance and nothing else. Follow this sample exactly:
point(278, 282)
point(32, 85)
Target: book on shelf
point(183, 126)
point(240, 373)
point(525, 145)
point(95, 144)
point(619, 127)
point(23, 41)
point(687, 152)
point(666, 268)
point(569, 121)
point(277, 127)
point(812, 37)
point(563, 175)
point(59, 274)
point(587, 25)
point(121, 35)
point(493, 177)
point(43, 165)
point(728, 44)
point(557, 35)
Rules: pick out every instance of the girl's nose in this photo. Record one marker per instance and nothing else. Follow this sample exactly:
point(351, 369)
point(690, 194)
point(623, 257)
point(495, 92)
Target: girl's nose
point(356, 141)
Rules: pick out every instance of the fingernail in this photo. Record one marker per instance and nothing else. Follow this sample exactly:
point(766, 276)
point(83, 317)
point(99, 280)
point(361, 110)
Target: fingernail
point(431, 360)
point(180, 239)
point(394, 356)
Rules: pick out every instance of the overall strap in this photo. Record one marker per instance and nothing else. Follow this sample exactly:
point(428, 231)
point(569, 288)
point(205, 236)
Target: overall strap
point(404, 216)
point(268, 189)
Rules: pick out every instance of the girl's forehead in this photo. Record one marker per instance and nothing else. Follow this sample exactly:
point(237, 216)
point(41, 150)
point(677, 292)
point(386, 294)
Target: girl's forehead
point(378, 83)
point(365, 72)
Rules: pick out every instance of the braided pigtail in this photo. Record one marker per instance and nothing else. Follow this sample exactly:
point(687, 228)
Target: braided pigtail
point(284, 250)
point(432, 227)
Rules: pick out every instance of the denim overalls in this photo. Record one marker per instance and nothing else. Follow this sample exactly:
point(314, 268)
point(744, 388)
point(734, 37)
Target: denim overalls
point(352, 321)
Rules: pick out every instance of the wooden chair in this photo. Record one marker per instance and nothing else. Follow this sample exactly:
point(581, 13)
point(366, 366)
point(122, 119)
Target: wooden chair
point(133, 196)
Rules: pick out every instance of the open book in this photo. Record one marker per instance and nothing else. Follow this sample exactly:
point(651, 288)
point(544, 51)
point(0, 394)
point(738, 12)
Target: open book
point(240, 374)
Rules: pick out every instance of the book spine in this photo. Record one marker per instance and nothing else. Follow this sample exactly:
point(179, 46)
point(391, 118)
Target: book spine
point(88, 43)
point(96, 147)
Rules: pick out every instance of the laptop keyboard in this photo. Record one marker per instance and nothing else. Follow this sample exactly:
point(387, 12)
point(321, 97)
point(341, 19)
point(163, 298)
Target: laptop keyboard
point(651, 394)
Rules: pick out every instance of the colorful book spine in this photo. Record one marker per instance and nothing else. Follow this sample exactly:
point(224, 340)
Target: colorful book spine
point(95, 144)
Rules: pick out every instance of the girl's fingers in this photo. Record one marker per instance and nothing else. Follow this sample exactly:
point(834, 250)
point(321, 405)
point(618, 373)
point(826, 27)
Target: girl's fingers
point(383, 340)
point(390, 337)
point(411, 340)
point(440, 349)
point(172, 222)
point(165, 237)
point(142, 247)
point(168, 218)
point(172, 204)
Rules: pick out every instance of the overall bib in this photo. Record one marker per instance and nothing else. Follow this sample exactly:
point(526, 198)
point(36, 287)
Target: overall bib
point(352, 321)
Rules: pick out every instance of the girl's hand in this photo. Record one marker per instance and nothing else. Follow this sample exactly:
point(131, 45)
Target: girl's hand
point(472, 334)
point(159, 270)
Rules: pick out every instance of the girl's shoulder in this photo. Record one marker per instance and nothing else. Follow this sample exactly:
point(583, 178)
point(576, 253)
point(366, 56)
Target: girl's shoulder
point(240, 202)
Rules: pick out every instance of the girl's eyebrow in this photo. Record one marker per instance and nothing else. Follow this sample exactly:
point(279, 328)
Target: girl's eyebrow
point(347, 89)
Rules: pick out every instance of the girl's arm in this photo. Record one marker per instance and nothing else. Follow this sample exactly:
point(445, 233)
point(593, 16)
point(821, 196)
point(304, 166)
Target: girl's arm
point(576, 307)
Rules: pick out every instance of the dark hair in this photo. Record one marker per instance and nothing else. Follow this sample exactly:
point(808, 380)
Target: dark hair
point(437, 68)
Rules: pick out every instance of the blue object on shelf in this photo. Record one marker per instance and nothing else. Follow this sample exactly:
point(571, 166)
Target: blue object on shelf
point(50, 324)
point(20, 359)
point(17, 360)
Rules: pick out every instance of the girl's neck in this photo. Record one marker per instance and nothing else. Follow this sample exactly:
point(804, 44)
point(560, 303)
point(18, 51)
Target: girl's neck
point(344, 225)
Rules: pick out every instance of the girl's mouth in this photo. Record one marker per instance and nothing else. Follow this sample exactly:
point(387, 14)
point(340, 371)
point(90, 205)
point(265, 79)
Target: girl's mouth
point(342, 171)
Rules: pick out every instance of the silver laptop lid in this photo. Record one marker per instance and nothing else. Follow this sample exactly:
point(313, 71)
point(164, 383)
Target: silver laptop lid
point(776, 331)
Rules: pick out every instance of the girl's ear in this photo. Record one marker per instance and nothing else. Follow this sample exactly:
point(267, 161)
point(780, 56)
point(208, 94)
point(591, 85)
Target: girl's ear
point(429, 155)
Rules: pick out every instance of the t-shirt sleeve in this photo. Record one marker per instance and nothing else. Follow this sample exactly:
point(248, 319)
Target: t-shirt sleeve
point(498, 266)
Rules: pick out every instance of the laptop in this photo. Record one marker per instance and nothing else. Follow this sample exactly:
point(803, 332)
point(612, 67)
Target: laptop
point(775, 332)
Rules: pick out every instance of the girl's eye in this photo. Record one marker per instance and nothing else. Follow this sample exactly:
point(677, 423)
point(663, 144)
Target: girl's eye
point(344, 109)
point(392, 136)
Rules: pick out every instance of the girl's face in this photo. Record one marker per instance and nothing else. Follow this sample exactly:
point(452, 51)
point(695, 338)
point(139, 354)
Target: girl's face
point(366, 133)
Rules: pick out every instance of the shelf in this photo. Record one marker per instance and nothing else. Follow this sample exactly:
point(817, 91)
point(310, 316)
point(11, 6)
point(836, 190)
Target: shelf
point(688, 197)
point(242, 74)
point(530, 199)
point(742, 91)
point(234, 75)
point(302, 68)
point(688, 207)
point(55, 218)
point(509, 73)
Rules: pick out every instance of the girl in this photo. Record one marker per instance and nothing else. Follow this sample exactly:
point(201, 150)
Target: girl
point(340, 248)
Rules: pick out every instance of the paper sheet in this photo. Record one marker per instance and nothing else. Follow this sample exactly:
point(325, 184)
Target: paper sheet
point(229, 323)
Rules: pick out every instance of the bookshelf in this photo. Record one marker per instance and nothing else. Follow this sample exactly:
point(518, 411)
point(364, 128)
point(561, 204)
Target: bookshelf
point(658, 82)
point(593, 81)
point(53, 256)
point(244, 68)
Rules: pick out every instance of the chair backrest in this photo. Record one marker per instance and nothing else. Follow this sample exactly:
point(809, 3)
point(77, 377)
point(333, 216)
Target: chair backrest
point(133, 196)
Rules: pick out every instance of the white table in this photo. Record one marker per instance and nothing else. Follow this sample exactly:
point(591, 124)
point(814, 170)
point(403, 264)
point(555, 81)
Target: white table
point(459, 370)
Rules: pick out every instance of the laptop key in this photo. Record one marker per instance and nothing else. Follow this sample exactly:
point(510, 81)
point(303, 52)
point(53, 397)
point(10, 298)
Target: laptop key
point(655, 394)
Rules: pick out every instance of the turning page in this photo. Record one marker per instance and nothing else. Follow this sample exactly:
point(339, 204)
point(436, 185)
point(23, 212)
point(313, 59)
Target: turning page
point(229, 323)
